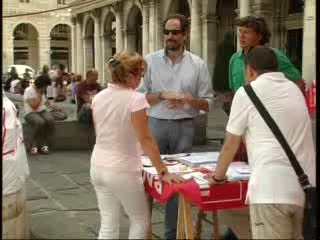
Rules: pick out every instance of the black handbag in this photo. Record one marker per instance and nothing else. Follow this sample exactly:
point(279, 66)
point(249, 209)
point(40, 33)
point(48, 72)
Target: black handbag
point(309, 222)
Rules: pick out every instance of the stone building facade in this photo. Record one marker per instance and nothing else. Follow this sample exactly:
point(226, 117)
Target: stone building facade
point(36, 39)
point(99, 28)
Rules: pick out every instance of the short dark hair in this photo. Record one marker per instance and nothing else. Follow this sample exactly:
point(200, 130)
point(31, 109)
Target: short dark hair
point(258, 24)
point(42, 81)
point(184, 21)
point(61, 67)
point(262, 60)
point(91, 71)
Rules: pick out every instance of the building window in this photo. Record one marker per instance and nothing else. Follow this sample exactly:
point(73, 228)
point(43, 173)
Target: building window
point(21, 32)
point(296, 6)
point(61, 2)
point(294, 47)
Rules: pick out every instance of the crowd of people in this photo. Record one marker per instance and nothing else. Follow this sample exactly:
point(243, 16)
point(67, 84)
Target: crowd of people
point(44, 90)
point(156, 117)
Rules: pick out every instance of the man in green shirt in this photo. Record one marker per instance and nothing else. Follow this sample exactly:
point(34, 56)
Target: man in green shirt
point(254, 32)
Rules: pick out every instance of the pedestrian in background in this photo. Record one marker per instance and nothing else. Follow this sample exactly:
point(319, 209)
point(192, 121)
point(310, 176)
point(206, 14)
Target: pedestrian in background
point(86, 90)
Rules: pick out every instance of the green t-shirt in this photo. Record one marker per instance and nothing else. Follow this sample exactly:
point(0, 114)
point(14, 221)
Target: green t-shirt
point(237, 69)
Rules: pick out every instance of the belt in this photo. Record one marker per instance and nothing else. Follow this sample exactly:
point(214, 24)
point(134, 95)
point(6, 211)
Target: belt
point(176, 120)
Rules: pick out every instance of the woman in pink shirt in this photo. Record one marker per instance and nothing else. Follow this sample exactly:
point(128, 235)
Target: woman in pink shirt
point(121, 125)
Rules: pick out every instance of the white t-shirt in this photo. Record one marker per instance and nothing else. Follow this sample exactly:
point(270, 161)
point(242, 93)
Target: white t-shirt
point(30, 93)
point(117, 147)
point(13, 84)
point(273, 179)
point(15, 168)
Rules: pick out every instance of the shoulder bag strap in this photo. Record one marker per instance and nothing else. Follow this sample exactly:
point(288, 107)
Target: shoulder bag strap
point(303, 178)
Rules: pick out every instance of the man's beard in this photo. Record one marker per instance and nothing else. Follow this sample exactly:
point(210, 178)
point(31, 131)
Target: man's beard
point(173, 48)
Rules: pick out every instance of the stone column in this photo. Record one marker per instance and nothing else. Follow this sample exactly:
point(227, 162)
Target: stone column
point(97, 43)
point(196, 31)
point(145, 27)
point(152, 27)
point(244, 10)
point(209, 39)
point(118, 6)
point(130, 40)
point(264, 9)
point(79, 44)
point(309, 42)
point(107, 52)
point(44, 51)
point(158, 24)
point(84, 49)
point(278, 34)
point(73, 45)
point(8, 52)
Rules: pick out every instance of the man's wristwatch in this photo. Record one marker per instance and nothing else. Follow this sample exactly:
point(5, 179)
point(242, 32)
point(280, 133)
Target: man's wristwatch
point(218, 180)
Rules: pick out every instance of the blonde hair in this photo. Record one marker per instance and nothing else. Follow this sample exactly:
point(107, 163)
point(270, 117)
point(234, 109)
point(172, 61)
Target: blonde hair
point(125, 63)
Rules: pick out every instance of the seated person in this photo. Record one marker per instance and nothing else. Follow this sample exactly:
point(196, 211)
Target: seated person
point(61, 80)
point(86, 90)
point(38, 116)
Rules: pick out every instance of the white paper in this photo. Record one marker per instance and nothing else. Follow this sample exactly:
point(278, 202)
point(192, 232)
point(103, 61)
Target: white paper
point(197, 159)
point(177, 168)
point(198, 178)
point(238, 171)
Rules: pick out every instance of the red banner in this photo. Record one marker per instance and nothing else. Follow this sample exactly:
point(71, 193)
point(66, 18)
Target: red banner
point(225, 196)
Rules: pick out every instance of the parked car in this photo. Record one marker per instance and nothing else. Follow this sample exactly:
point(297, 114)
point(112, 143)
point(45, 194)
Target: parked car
point(21, 69)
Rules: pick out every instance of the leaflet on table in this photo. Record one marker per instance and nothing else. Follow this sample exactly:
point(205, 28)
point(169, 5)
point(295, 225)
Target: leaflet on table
point(198, 178)
point(197, 159)
point(236, 171)
point(167, 157)
point(177, 168)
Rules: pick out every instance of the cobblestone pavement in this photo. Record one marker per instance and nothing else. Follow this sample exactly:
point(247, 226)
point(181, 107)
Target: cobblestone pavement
point(62, 202)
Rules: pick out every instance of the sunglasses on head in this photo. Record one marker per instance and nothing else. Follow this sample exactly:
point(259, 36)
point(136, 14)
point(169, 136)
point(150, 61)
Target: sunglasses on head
point(173, 32)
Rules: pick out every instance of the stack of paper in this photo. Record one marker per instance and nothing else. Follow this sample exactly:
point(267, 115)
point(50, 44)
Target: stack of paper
point(177, 168)
point(238, 171)
point(197, 159)
point(198, 178)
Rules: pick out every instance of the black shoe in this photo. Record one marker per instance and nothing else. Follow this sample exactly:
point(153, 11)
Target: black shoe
point(229, 235)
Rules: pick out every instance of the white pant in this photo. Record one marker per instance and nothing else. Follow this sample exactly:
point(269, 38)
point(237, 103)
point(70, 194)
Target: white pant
point(115, 189)
point(276, 221)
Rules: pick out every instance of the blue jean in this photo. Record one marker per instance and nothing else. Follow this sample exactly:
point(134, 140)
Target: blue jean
point(173, 136)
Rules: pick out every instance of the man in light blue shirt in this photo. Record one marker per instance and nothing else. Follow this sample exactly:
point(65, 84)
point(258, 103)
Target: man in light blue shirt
point(177, 85)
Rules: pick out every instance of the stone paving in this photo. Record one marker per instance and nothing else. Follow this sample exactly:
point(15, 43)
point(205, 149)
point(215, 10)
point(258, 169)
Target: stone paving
point(62, 201)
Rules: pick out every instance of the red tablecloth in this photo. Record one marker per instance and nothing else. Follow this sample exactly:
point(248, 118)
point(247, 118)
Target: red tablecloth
point(225, 196)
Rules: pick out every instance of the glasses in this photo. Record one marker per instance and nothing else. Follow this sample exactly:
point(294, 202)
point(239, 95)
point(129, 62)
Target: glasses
point(173, 32)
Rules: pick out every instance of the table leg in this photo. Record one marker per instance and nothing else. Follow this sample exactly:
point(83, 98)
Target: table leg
point(215, 223)
point(180, 224)
point(185, 227)
point(198, 227)
point(188, 219)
